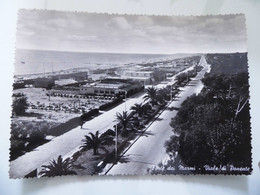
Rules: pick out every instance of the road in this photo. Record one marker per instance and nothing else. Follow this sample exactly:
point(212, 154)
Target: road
point(149, 149)
point(69, 142)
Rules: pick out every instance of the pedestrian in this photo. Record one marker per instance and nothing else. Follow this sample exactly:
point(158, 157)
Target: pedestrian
point(81, 123)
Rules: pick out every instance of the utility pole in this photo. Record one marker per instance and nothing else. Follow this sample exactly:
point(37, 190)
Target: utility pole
point(125, 99)
point(116, 142)
point(171, 92)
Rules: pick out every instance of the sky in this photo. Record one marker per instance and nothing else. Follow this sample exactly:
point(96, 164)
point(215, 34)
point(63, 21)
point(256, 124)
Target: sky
point(91, 32)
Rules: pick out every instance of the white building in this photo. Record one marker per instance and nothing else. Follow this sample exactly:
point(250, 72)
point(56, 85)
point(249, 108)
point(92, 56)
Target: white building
point(97, 77)
point(100, 88)
point(111, 87)
point(144, 76)
point(62, 82)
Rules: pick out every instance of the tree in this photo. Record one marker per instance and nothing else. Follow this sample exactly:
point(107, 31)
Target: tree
point(181, 78)
point(20, 105)
point(213, 127)
point(159, 75)
point(172, 146)
point(57, 168)
point(96, 141)
point(219, 85)
point(48, 88)
point(146, 107)
point(151, 95)
point(138, 109)
point(125, 120)
point(164, 93)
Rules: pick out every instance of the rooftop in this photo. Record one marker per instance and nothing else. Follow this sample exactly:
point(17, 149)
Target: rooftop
point(139, 71)
point(105, 85)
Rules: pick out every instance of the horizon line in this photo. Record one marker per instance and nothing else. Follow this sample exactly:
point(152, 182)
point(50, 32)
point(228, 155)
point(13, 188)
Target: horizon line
point(198, 53)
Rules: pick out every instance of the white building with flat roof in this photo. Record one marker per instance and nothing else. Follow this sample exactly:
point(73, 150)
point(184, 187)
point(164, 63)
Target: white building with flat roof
point(111, 87)
point(133, 73)
point(144, 76)
point(100, 88)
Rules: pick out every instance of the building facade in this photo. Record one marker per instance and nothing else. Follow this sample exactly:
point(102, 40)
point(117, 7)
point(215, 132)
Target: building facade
point(99, 89)
point(43, 82)
point(111, 87)
point(146, 77)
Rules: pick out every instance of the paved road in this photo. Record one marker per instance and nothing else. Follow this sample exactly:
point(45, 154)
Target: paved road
point(149, 150)
point(69, 142)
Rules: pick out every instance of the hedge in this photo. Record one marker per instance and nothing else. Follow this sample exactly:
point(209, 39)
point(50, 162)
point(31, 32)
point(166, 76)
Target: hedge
point(86, 116)
point(110, 104)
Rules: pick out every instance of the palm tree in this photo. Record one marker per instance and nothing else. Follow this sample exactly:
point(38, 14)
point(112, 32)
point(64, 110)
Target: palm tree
point(57, 168)
point(151, 95)
point(124, 119)
point(164, 93)
point(180, 78)
point(146, 108)
point(138, 109)
point(96, 142)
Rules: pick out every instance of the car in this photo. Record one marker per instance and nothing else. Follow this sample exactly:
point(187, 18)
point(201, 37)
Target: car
point(33, 107)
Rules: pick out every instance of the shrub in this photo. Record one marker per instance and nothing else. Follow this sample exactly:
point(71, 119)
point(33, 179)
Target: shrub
point(20, 105)
point(88, 115)
point(58, 167)
point(110, 104)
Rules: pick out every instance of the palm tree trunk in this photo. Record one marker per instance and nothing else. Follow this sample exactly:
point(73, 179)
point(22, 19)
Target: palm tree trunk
point(49, 95)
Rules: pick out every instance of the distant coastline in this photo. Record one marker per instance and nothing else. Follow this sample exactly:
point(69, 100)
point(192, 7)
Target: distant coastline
point(29, 62)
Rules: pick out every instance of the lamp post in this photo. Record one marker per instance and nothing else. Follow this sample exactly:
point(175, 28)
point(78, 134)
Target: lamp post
point(171, 92)
point(116, 142)
point(115, 139)
point(125, 97)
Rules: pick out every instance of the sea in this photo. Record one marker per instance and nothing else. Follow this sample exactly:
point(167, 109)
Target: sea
point(29, 62)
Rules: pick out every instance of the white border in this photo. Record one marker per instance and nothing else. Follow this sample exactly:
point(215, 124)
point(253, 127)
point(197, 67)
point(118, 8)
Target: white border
point(130, 184)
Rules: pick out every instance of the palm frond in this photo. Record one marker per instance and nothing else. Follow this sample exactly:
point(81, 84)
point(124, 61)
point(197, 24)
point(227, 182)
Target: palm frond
point(57, 167)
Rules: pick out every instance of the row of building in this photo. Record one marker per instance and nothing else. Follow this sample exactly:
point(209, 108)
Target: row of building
point(105, 87)
point(110, 82)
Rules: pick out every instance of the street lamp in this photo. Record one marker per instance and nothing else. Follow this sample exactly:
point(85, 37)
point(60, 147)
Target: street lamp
point(125, 97)
point(116, 140)
point(171, 92)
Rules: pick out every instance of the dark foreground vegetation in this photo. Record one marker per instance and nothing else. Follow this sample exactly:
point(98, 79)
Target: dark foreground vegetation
point(212, 129)
point(26, 135)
